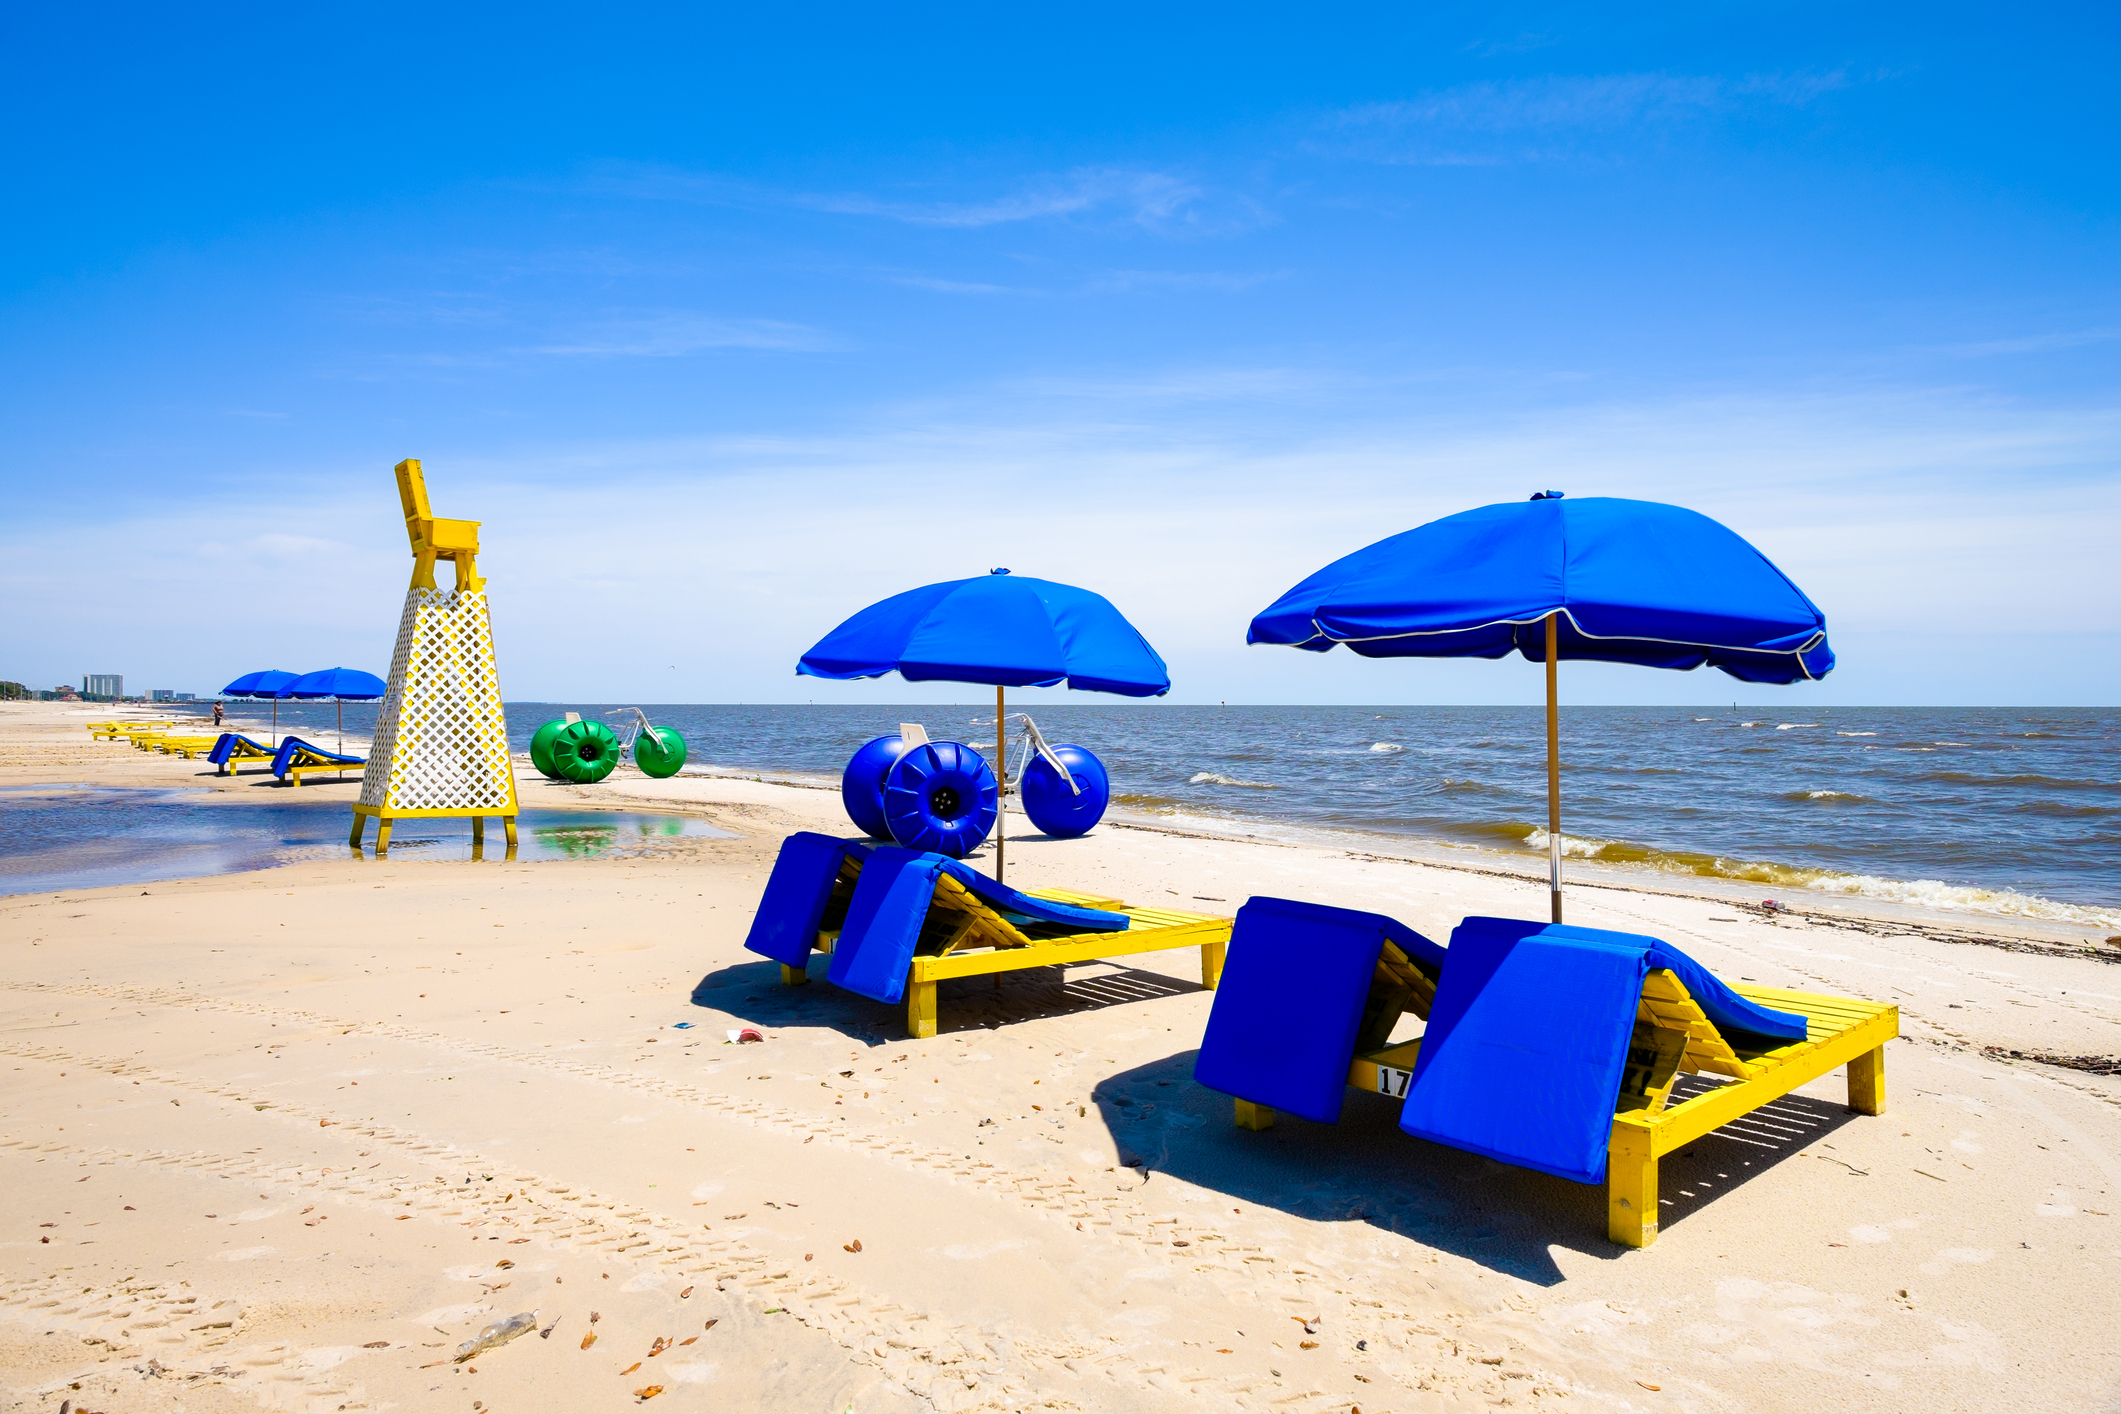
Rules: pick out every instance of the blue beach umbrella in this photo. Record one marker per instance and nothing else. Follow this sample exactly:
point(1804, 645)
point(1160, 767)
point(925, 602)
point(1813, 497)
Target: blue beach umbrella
point(998, 629)
point(341, 684)
point(1604, 579)
point(266, 682)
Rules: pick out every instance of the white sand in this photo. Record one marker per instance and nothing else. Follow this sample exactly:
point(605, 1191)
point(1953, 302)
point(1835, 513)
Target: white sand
point(274, 1119)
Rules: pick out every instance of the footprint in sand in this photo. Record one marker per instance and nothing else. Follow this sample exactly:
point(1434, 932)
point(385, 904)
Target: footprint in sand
point(966, 1252)
point(1956, 1257)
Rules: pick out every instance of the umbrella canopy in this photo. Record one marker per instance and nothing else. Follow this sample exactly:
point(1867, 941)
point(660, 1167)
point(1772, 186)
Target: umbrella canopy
point(1611, 580)
point(339, 684)
point(266, 682)
point(1631, 581)
point(350, 684)
point(1001, 629)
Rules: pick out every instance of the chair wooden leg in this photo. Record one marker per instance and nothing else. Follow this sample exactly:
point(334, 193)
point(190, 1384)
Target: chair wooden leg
point(920, 1009)
point(1867, 1082)
point(478, 831)
point(794, 976)
point(1211, 964)
point(1254, 1117)
point(1631, 1188)
point(382, 838)
point(508, 826)
point(353, 838)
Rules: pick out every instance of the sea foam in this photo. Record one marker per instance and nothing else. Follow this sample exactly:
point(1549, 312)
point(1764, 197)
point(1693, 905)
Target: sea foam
point(1217, 778)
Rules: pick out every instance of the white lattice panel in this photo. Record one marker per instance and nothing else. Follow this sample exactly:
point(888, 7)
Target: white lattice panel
point(441, 740)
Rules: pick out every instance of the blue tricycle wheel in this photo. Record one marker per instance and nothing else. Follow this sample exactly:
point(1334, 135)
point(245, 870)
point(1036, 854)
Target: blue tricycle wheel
point(862, 783)
point(941, 798)
point(1054, 808)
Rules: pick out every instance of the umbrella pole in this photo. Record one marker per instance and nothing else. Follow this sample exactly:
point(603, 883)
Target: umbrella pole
point(1554, 762)
point(342, 724)
point(1001, 776)
point(276, 721)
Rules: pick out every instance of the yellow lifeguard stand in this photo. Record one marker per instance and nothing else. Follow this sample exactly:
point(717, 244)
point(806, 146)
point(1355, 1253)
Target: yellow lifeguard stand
point(441, 743)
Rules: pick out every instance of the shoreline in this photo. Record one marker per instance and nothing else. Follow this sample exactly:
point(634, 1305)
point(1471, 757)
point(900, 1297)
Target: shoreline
point(1977, 925)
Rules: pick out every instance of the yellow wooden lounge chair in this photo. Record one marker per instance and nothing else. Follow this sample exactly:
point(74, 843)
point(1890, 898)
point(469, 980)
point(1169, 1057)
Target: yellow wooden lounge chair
point(129, 731)
point(1598, 1025)
point(897, 923)
point(185, 746)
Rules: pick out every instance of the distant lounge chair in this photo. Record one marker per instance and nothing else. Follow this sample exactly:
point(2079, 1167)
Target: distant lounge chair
point(113, 730)
point(234, 748)
point(897, 922)
point(186, 746)
point(133, 731)
point(1547, 1046)
point(297, 758)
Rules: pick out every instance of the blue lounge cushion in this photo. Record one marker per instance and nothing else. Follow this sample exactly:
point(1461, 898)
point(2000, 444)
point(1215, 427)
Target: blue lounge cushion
point(1529, 1034)
point(296, 752)
point(891, 902)
point(1282, 1031)
point(229, 741)
point(785, 926)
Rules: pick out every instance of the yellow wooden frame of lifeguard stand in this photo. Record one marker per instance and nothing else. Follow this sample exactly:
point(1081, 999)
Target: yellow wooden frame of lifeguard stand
point(435, 538)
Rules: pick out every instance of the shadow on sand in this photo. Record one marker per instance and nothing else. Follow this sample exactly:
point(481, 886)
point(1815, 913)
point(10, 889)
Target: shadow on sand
point(753, 991)
point(1364, 1169)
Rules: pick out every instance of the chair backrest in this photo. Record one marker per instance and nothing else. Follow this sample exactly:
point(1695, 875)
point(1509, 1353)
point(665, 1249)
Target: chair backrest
point(785, 926)
point(1291, 1002)
point(1545, 1018)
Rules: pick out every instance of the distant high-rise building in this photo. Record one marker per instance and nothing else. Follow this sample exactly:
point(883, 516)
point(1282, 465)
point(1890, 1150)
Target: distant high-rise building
point(103, 685)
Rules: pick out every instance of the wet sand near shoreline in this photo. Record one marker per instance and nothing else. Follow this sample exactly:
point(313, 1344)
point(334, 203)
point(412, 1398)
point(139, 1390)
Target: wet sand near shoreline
point(299, 1133)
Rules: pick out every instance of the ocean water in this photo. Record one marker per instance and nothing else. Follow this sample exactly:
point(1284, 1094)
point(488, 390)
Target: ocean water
point(2005, 810)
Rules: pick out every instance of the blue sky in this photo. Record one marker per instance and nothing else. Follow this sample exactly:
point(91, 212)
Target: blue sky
point(727, 324)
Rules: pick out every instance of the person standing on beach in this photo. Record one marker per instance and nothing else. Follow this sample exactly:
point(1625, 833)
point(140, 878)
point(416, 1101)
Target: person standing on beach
point(217, 714)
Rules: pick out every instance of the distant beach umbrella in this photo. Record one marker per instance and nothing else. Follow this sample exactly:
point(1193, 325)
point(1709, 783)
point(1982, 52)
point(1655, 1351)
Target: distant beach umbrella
point(1600, 578)
point(266, 682)
point(999, 629)
point(343, 685)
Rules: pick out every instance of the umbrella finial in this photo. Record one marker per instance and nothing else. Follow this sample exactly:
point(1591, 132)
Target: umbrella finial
point(1003, 570)
point(1547, 495)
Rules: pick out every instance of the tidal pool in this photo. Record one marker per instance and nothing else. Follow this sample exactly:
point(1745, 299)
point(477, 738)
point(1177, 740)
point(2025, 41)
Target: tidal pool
point(59, 837)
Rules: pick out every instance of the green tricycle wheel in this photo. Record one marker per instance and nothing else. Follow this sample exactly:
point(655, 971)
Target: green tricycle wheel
point(584, 752)
point(659, 752)
point(541, 748)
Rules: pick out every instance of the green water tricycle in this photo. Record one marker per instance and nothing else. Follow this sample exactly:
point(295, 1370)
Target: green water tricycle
point(570, 749)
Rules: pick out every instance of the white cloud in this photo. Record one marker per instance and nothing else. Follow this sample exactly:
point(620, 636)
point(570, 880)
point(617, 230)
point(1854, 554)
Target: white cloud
point(1545, 118)
point(674, 335)
point(1127, 197)
point(1145, 198)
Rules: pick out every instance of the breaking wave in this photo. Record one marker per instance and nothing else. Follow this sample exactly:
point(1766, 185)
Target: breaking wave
point(1217, 778)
